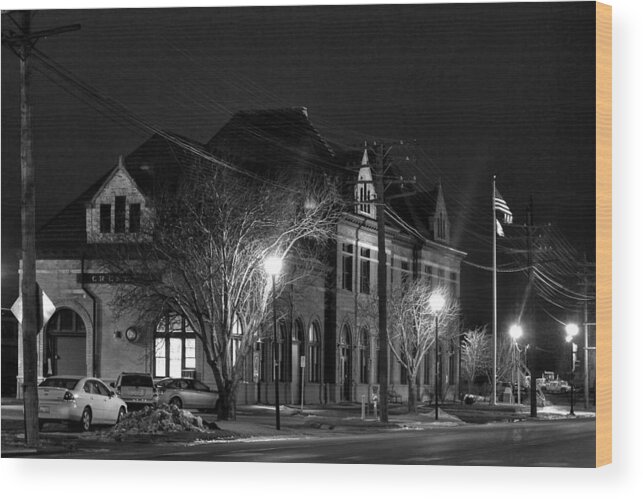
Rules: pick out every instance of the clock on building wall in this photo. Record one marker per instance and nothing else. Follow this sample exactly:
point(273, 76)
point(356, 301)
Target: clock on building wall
point(131, 334)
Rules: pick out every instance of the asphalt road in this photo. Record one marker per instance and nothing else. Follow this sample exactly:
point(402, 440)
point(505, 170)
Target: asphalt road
point(562, 443)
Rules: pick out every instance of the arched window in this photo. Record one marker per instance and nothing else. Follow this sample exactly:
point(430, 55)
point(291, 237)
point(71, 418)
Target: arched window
point(314, 353)
point(364, 355)
point(174, 348)
point(298, 332)
point(235, 343)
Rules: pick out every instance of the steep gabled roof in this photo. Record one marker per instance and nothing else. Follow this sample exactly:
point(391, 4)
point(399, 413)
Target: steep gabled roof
point(161, 162)
point(66, 230)
point(417, 209)
point(157, 162)
point(273, 142)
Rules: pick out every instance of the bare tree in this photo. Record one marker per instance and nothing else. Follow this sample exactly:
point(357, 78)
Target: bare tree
point(411, 326)
point(504, 360)
point(201, 255)
point(475, 354)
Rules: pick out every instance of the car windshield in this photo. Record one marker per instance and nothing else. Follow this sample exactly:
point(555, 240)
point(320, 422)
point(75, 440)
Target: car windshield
point(165, 382)
point(137, 380)
point(67, 383)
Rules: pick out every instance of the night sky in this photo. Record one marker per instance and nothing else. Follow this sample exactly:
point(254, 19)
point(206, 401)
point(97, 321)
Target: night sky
point(482, 89)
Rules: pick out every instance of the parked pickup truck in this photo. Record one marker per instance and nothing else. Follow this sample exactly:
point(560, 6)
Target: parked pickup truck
point(552, 383)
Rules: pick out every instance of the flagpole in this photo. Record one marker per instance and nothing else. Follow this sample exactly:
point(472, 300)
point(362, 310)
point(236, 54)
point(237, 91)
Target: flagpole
point(495, 311)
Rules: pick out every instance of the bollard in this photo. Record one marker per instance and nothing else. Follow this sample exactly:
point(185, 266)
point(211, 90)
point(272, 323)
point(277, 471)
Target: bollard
point(363, 407)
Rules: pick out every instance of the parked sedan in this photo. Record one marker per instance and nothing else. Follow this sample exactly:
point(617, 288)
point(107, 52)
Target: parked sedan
point(78, 400)
point(186, 393)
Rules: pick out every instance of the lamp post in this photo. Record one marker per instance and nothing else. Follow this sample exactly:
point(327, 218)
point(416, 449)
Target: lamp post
point(571, 330)
point(273, 268)
point(436, 302)
point(515, 332)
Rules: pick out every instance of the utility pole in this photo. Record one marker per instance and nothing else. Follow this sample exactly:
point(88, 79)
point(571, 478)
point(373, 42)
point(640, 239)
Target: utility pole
point(532, 349)
point(586, 324)
point(383, 358)
point(382, 363)
point(28, 285)
point(22, 44)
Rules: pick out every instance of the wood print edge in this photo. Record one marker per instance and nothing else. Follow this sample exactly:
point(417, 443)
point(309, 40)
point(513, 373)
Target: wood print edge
point(603, 234)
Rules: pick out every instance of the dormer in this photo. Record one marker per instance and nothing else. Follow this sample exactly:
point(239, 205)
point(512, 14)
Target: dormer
point(118, 209)
point(365, 190)
point(439, 222)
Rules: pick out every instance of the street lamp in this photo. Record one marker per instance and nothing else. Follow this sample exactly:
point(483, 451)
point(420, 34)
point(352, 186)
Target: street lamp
point(436, 302)
point(273, 266)
point(515, 332)
point(571, 330)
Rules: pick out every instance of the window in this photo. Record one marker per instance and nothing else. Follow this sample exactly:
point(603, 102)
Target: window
point(365, 271)
point(391, 270)
point(66, 321)
point(440, 277)
point(174, 347)
point(134, 217)
point(314, 353)
point(236, 336)
point(364, 195)
point(105, 218)
point(405, 273)
point(347, 267)
point(428, 271)
point(364, 356)
point(119, 214)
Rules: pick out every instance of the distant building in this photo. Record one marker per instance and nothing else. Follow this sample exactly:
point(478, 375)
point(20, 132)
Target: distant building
point(323, 324)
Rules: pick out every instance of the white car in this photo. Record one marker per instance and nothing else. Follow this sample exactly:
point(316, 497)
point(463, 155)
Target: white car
point(78, 400)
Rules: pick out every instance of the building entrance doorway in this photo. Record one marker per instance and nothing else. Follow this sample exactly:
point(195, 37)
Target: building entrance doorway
point(66, 344)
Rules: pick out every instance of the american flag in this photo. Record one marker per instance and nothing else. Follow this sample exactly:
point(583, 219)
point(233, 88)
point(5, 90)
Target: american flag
point(501, 205)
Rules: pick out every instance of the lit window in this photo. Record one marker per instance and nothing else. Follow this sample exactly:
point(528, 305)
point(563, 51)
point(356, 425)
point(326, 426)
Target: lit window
point(174, 347)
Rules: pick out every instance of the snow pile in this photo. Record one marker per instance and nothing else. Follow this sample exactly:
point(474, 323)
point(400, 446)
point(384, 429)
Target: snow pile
point(160, 419)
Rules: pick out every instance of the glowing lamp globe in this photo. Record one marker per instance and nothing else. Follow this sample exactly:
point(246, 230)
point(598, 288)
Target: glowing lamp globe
point(436, 302)
point(273, 265)
point(515, 331)
point(571, 330)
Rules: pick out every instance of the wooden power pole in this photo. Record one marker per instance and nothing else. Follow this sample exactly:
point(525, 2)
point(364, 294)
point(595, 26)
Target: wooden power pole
point(532, 312)
point(22, 44)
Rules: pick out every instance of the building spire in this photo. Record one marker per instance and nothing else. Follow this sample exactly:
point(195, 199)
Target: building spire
point(365, 156)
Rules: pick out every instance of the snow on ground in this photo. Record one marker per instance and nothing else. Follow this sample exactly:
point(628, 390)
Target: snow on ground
point(160, 419)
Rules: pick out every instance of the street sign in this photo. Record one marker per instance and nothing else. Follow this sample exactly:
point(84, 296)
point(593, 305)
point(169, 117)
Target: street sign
point(47, 308)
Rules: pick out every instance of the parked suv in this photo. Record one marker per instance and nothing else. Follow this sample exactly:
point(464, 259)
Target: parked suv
point(136, 389)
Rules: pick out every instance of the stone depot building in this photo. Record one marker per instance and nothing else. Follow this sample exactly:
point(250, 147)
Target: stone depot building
point(328, 348)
